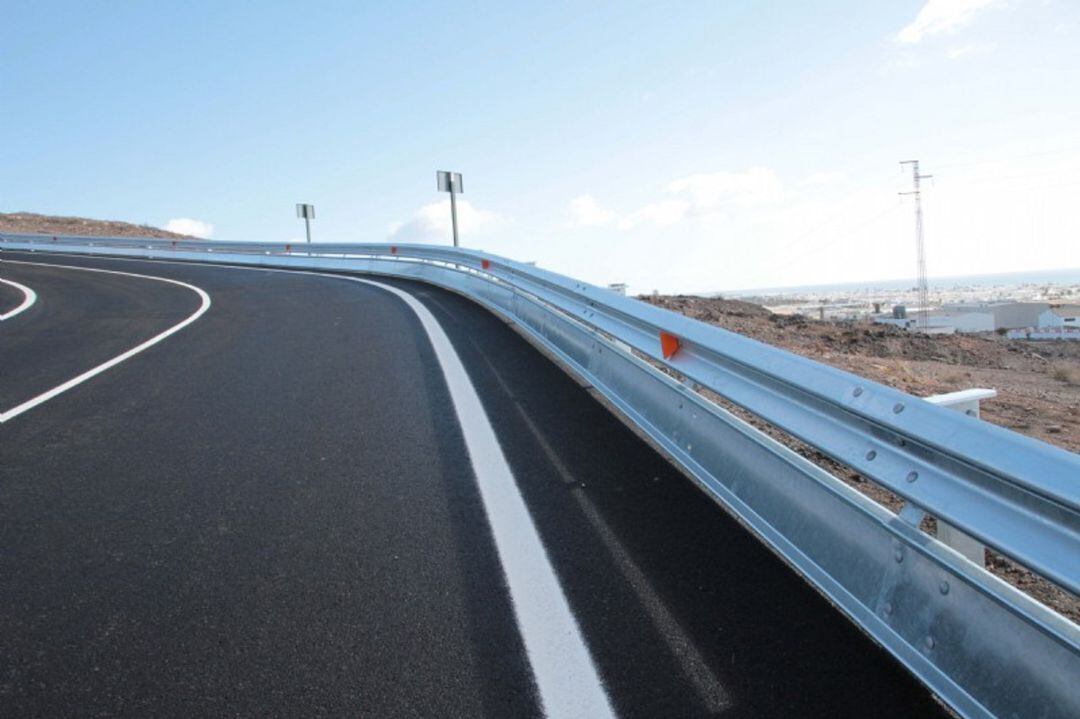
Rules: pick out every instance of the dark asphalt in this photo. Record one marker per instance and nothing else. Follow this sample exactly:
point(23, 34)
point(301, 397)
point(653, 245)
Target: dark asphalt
point(271, 513)
point(10, 298)
point(104, 314)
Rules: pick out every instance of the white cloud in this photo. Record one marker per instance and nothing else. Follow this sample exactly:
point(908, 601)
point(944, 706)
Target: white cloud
point(691, 196)
point(901, 62)
point(962, 50)
point(431, 223)
point(664, 213)
point(938, 16)
point(825, 178)
point(188, 226)
point(586, 212)
point(756, 186)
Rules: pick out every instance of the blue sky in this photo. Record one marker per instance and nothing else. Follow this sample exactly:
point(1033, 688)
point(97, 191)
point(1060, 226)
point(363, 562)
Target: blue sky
point(689, 146)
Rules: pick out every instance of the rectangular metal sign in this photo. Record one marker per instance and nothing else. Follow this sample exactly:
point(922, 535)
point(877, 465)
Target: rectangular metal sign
point(305, 211)
point(449, 181)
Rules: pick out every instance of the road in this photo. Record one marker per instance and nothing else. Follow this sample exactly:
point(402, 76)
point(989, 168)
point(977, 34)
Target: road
point(286, 507)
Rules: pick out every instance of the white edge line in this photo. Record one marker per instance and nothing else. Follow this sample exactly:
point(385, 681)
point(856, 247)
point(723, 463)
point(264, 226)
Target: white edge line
point(29, 298)
point(89, 374)
point(566, 677)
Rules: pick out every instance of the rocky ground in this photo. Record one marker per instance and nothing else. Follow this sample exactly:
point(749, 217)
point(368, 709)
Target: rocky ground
point(30, 223)
point(1038, 383)
point(1038, 387)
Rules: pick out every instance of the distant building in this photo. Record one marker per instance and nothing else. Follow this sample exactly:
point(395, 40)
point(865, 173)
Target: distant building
point(963, 321)
point(983, 316)
point(939, 322)
point(903, 323)
point(1044, 333)
point(1007, 315)
point(619, 287)
point(1060, 316)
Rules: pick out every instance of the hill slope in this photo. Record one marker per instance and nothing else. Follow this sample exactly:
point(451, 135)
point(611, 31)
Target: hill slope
point(1038, 383)
point(31, 223)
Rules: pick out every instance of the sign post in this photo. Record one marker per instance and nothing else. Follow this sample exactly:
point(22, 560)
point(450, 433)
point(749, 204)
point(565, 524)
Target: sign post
point(308, 213)
point(450, 182)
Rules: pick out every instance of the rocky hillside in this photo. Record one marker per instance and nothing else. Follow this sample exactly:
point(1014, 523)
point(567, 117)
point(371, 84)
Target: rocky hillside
point(1038, 383)
point(1038, 388)
point(30, 223)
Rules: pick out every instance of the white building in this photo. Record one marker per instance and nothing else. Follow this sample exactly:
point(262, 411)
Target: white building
point(1060, 316)
point(1007, 315)
point(938, 322)
point(963, 321)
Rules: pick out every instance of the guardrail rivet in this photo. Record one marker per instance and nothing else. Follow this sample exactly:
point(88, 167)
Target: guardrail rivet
point(912, 476)
point(857, 391)
point(898, 555)
point(929, 642)
point(898, 408)
point(887, 609)
point(943, 587)
point(870, 455)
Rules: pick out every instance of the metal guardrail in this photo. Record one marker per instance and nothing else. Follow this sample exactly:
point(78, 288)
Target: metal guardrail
point(984, 647)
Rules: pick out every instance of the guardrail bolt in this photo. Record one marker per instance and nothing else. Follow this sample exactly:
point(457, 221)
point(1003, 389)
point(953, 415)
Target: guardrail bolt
point(857, 391)
point(898, 555)
point(929, 643)
point(912, 476)
point(943, 587)
point(870, 455)
point(887, 609)
point(898, 408)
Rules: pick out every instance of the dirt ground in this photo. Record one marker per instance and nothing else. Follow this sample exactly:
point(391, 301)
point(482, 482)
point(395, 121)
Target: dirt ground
point(1038, 383)
point(1038, 388)
point(30, 223)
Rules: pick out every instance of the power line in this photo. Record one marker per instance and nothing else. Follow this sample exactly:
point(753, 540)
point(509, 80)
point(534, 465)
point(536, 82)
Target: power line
point(844, 234)
point(1010, 158)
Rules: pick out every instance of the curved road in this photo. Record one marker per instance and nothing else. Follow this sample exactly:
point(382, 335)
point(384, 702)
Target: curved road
point(273, 512)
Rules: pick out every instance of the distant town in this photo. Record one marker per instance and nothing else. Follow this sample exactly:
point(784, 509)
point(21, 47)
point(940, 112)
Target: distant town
point(1019, 306)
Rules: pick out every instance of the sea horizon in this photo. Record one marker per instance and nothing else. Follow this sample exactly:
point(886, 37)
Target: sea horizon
point(1066, 276)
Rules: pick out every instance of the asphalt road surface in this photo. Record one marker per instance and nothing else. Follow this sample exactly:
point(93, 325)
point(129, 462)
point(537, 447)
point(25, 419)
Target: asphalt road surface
point(285, 507)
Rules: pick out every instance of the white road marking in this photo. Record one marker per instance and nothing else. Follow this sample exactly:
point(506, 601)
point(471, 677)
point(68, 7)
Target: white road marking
point(565, 675)
point(89, 374)
point(29, 298)
point(568, 682)
point(682, 646)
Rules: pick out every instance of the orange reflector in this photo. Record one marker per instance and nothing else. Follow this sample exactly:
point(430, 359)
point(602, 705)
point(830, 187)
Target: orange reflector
point(485, 264)
point(393, 250)
point(288, 248)
point(669, 344)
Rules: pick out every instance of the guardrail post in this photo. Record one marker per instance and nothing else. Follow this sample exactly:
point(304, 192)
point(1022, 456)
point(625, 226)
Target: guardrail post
point(966, 401)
